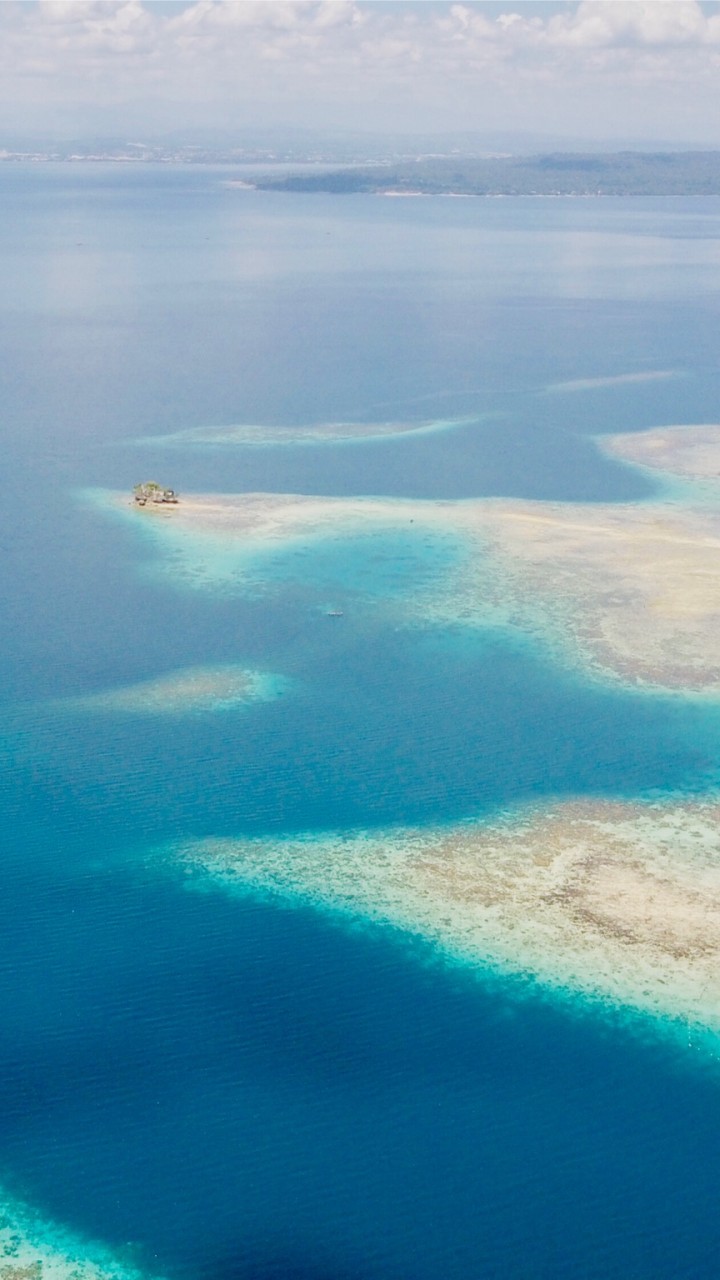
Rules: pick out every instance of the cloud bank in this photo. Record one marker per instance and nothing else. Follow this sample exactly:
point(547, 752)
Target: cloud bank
point(601, 66)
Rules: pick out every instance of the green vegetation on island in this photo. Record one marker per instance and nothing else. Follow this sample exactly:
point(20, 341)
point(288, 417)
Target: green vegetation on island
point(151, 491)
point(622, 173)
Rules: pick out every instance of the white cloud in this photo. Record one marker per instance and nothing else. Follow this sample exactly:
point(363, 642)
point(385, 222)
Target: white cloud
point(460, 63)
point(625, 23)
point(59, 12)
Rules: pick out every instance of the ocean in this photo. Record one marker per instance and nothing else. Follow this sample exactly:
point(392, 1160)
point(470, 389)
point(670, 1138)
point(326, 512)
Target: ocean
point(234, 1087)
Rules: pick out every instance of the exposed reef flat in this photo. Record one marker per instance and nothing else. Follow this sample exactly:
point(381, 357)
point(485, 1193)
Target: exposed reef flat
point(617, 902)
point(34, 1249)
point(691, 452)
point(627, 592)
point(304, 434)
point(214, 538)
point(187, 691)
point(279, 517)
point(632, 589)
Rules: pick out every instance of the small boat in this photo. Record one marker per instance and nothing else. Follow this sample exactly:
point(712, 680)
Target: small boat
point(334, 613)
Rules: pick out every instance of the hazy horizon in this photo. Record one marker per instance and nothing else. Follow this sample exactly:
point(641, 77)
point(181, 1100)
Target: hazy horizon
point(614, 72)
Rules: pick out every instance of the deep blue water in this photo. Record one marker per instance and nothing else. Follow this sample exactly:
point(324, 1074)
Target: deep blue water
point(242, 1091)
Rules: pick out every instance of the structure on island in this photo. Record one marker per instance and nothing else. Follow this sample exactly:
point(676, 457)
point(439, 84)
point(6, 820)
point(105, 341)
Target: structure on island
point(151, 491)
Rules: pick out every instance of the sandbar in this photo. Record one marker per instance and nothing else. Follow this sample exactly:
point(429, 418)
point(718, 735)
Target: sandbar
point(626, 593)
point(617, 902)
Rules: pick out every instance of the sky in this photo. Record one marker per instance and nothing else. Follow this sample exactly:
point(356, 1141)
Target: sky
point(601, 69)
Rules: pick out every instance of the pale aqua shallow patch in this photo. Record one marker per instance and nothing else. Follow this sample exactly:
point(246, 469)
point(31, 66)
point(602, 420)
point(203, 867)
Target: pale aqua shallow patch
point(375, 551)
point(189, 559)
point(701, 494)
point(670, 487)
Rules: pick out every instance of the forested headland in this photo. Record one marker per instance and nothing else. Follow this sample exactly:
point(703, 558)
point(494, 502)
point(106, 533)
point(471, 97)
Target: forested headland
point(623, 173)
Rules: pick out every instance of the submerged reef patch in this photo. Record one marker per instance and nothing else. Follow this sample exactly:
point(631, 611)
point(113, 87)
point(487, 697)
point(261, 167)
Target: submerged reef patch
point(616, 902)
point(317, 433)
point(187, 691)
point(31, 1248)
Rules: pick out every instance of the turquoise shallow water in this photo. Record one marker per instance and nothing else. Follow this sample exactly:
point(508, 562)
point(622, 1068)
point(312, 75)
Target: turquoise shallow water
point(223, 1087)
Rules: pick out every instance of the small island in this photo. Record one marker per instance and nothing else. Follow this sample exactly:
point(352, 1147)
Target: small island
point(151, 491)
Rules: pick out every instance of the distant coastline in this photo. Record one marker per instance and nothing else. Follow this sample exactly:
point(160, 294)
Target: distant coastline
point(559, 174)
point(552, 174)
